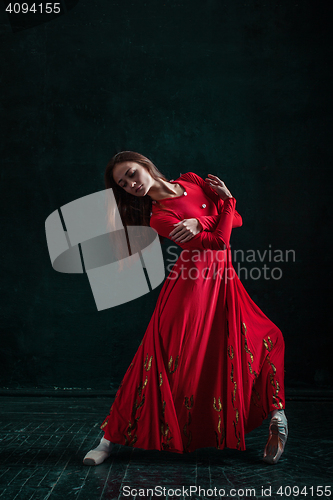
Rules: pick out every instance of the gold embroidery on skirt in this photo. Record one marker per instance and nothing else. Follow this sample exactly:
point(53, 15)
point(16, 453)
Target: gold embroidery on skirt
point(165, 430)
point(147, 365)
point(230, 351)
point(270, 347)
point(248, 350)
point(219, 441)
point(187, 401)
point(129, 441)
point(219, 407)
point(142, 386)
point(237, 416)
point(166, 443)
point(104, 425)
point(277, 403)
point(270, 363)
point(137, 404)
point(220, 434)
point(161, 379)
point(219, 425)
point(175, 364)
point(253, 372)
point(135, 438)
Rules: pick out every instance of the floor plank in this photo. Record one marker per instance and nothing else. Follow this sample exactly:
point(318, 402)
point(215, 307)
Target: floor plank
point(44, 439)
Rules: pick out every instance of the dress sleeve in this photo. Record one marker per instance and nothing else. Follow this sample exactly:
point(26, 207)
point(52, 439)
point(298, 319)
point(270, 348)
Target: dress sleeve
point(209, 222)
point(164, 222)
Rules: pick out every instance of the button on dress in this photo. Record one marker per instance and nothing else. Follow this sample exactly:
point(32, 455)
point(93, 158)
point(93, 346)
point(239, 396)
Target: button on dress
point(210, 367)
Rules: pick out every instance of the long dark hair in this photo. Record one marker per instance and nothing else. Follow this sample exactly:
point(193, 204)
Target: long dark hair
point(133, 210)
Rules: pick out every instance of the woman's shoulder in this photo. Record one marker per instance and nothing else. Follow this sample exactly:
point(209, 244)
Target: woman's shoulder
point(192, 177)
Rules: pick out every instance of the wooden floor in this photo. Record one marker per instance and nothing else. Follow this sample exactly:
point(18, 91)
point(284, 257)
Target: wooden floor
point(44, 439)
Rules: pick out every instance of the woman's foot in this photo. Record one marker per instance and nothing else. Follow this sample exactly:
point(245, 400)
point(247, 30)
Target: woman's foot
point(278, 433)
point(99, 454)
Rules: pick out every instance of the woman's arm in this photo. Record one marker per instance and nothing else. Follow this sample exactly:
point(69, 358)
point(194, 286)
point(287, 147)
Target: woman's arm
point(163, 222)
point(209, 222)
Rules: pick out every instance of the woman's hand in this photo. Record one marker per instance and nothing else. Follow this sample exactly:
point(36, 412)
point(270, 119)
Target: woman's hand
point(219, 187)
point(185, 230)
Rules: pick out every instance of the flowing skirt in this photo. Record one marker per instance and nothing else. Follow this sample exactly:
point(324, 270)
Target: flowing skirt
point(209, 369)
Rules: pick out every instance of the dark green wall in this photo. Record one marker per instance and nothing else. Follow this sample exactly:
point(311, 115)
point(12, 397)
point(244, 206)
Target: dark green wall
point(238, 89)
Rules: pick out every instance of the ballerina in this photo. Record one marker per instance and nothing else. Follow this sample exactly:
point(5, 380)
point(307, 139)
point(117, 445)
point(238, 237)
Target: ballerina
point(210, 367)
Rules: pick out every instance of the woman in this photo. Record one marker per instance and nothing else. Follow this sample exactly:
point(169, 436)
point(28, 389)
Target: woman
point(210, 367)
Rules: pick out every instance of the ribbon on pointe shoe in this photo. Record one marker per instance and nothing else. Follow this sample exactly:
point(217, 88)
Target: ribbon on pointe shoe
point(278, 434)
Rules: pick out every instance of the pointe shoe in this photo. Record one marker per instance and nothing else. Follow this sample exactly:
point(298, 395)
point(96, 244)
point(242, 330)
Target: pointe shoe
point(99, 454)
point(278, 433)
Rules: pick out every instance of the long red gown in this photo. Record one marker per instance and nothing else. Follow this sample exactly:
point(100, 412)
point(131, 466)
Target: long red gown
point(210, 367)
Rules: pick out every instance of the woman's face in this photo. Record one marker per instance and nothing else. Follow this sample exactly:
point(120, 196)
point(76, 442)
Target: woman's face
point(132, 177)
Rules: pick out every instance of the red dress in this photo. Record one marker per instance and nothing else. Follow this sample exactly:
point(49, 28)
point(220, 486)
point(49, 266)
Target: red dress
point(210, 367)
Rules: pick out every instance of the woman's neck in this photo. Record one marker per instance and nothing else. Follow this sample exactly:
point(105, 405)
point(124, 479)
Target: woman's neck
point(162, 189)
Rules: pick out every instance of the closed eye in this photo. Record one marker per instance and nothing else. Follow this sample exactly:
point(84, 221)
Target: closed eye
point(124, 185)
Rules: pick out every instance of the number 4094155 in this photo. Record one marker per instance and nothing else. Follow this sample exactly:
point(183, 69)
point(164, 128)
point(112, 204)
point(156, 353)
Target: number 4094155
point(23, 8)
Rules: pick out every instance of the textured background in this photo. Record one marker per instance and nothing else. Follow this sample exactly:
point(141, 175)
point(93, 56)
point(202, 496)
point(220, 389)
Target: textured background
point(238, 89)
